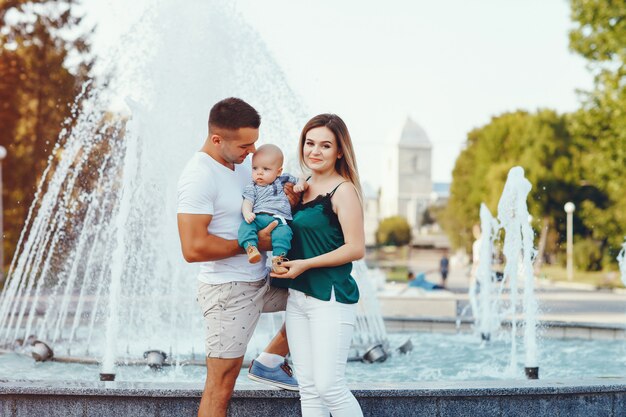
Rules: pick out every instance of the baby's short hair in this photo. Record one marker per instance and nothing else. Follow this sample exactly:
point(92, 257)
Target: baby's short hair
point(271, 150)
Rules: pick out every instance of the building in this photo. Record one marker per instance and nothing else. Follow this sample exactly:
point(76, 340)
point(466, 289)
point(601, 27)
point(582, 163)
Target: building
point(406, 175)
point(371, 212)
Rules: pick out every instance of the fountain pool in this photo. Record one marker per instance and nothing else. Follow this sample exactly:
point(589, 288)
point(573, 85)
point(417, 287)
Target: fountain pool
point(435, 357)
point(97, 257)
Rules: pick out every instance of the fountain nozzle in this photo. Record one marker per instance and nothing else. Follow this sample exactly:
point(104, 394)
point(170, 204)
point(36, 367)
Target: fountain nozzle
point(107, 377)
point(406, 347)
point(532, 372)
point(375, 354)
point(155, 358)
point(41, 352)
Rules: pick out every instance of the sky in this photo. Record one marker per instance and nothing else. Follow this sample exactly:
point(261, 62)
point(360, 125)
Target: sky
point(450, 65)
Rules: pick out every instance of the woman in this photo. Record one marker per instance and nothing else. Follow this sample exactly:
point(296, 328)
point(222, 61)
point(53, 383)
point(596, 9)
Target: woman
point(327, 236)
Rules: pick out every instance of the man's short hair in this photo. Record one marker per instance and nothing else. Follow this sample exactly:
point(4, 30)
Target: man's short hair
point(232, 114)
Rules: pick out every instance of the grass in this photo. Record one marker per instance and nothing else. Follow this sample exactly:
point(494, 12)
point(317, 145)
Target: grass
point(599, 279)
point(398, 274)
point(393, 261)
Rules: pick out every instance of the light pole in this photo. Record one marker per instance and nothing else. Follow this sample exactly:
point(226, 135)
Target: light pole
point(3, 154)
point(569, 209)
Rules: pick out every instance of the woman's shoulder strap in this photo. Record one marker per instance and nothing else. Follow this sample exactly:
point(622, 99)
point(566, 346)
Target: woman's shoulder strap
point(335, 189)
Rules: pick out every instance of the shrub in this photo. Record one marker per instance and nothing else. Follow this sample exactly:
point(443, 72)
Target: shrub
point(393, 231)
point(587, 255)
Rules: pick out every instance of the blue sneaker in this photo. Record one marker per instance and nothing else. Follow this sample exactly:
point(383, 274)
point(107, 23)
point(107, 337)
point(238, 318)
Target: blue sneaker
point(280, 376)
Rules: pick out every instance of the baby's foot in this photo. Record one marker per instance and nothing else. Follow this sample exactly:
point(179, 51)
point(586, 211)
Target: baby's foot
point(277, 265)
point(253, 254)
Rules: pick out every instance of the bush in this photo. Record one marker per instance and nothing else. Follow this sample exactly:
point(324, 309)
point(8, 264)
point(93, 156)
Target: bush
point(393, 231)
point(587, 255)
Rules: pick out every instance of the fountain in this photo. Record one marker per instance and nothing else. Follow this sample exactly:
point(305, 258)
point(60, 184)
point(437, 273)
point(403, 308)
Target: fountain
point(98, 271)
point(98, 274)
point(518, 242)
point(488, 307)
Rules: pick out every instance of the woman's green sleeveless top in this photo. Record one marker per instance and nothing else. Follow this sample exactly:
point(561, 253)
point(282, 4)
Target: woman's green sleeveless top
point(316, 231)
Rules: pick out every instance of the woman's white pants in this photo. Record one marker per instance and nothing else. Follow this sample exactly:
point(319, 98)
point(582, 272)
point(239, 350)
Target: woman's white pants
point(319, 334)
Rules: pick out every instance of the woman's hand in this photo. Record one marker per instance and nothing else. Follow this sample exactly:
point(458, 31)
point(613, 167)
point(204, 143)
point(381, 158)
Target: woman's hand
point(296, 268)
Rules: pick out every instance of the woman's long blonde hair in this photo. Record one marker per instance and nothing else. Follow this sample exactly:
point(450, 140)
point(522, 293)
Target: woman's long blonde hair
point(345, 166)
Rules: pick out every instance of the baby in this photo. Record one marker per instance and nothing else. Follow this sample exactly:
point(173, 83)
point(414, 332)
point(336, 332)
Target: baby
point(265, 201)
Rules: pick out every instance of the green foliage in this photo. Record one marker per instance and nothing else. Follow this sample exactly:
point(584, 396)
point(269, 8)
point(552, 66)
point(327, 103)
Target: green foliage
point(393, 231)
point(595, 278)
point(397, 273)
point(578, 157)
point(37, 87)
point(588, 255)
point(599, 35)
point(538, 142)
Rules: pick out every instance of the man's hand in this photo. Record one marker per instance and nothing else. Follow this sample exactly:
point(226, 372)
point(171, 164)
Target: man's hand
point(265, 236)
point(292, 195)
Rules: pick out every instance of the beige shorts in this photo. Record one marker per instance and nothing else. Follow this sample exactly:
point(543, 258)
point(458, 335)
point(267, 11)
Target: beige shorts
point(231, 312)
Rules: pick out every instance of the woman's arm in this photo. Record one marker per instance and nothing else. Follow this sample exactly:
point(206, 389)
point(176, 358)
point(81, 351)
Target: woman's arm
point(348, 207)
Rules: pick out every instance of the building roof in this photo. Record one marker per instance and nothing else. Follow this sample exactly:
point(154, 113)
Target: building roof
point(410, 135)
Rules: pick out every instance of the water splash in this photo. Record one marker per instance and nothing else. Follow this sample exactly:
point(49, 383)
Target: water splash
point(621, 259)
point(370, 327)
point(519, 252)
point(489, 306)
point(98, 270)
point(485, 307)
point(102, 227)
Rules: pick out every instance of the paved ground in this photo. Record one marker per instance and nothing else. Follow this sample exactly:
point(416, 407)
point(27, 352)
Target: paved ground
point(558, 301)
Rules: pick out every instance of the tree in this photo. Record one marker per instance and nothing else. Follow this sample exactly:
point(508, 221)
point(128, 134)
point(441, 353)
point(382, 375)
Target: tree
point(38, 39)
point(578, 157)
point(599, 36)
point(542, 145)
point(394, 231)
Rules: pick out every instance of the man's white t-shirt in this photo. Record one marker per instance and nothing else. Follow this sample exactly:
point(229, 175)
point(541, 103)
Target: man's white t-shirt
point(208, 187)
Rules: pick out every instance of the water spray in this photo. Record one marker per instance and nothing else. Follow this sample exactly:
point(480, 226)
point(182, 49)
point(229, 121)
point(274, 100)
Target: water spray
point(621, 259)
point(484, 307)
point(519, 252)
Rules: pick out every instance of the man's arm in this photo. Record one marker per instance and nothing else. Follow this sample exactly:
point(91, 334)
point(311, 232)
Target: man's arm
point(199, 245)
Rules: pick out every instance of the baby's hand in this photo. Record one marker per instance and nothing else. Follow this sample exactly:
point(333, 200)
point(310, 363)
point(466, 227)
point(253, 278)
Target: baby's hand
point(249, 217)
point(300, 187)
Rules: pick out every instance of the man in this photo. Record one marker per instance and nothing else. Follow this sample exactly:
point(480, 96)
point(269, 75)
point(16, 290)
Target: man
point(444, 265)
point(232, 293)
